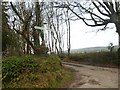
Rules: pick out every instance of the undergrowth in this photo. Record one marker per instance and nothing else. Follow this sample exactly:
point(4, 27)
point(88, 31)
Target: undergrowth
point(95, 57)
point(33, 72)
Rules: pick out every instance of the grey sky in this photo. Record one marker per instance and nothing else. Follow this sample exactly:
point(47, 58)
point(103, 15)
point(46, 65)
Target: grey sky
point(83, 36)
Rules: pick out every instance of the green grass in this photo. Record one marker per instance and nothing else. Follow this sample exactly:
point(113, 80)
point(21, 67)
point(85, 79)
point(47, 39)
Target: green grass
point(34, 72)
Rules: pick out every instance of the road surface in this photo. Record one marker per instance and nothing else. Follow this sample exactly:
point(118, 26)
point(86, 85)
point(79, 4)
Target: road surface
point(87, 76)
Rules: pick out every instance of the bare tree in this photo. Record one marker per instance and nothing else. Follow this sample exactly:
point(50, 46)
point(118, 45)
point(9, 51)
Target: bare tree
point(111, 47)
point(68, 32)
point(26, 16)
point(96, 12)
point(29, 18)
point(10, 42)
point(53, 22)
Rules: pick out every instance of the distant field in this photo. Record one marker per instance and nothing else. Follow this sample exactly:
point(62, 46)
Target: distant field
point(92, 49)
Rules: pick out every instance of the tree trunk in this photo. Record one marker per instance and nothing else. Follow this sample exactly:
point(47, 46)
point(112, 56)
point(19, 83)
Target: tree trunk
point(119, 39)
point(119, 46)
point(69, 44)
point(36, 38)
point(118, 31)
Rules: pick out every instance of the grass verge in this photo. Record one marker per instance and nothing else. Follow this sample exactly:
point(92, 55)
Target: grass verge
point(34, 72)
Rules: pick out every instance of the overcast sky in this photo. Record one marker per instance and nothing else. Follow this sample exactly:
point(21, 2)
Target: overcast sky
point(82, 36)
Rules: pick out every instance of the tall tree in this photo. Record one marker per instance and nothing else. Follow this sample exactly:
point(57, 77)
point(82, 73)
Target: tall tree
point(53, 17)
point(30, 18)
point(5, 27)
point(9, 41)
point(38, 22)
point(25, 15)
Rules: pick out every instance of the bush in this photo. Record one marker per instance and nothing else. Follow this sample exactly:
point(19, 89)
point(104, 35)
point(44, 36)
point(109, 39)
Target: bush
point(24, 72)
point(95, 57)
point(52, 64)
point(13, 66)
point(76, 56)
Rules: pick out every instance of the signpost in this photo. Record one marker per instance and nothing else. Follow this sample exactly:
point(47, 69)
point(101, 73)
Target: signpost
point(42, 28)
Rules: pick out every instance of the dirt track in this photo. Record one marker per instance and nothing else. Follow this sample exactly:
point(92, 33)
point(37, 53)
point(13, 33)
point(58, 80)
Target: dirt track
point(87, 76)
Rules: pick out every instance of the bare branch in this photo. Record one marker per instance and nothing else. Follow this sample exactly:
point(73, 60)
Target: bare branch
point(109, 7)
point(16, 12)
point(117, 6)
point(99, 9)
point(104, 8)
point(91, 12)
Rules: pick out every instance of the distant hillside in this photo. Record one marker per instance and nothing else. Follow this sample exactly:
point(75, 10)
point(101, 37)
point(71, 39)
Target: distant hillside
point(92, 49)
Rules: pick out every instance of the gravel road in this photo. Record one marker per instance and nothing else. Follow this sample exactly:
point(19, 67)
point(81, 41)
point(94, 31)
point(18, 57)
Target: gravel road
point(87, 76)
